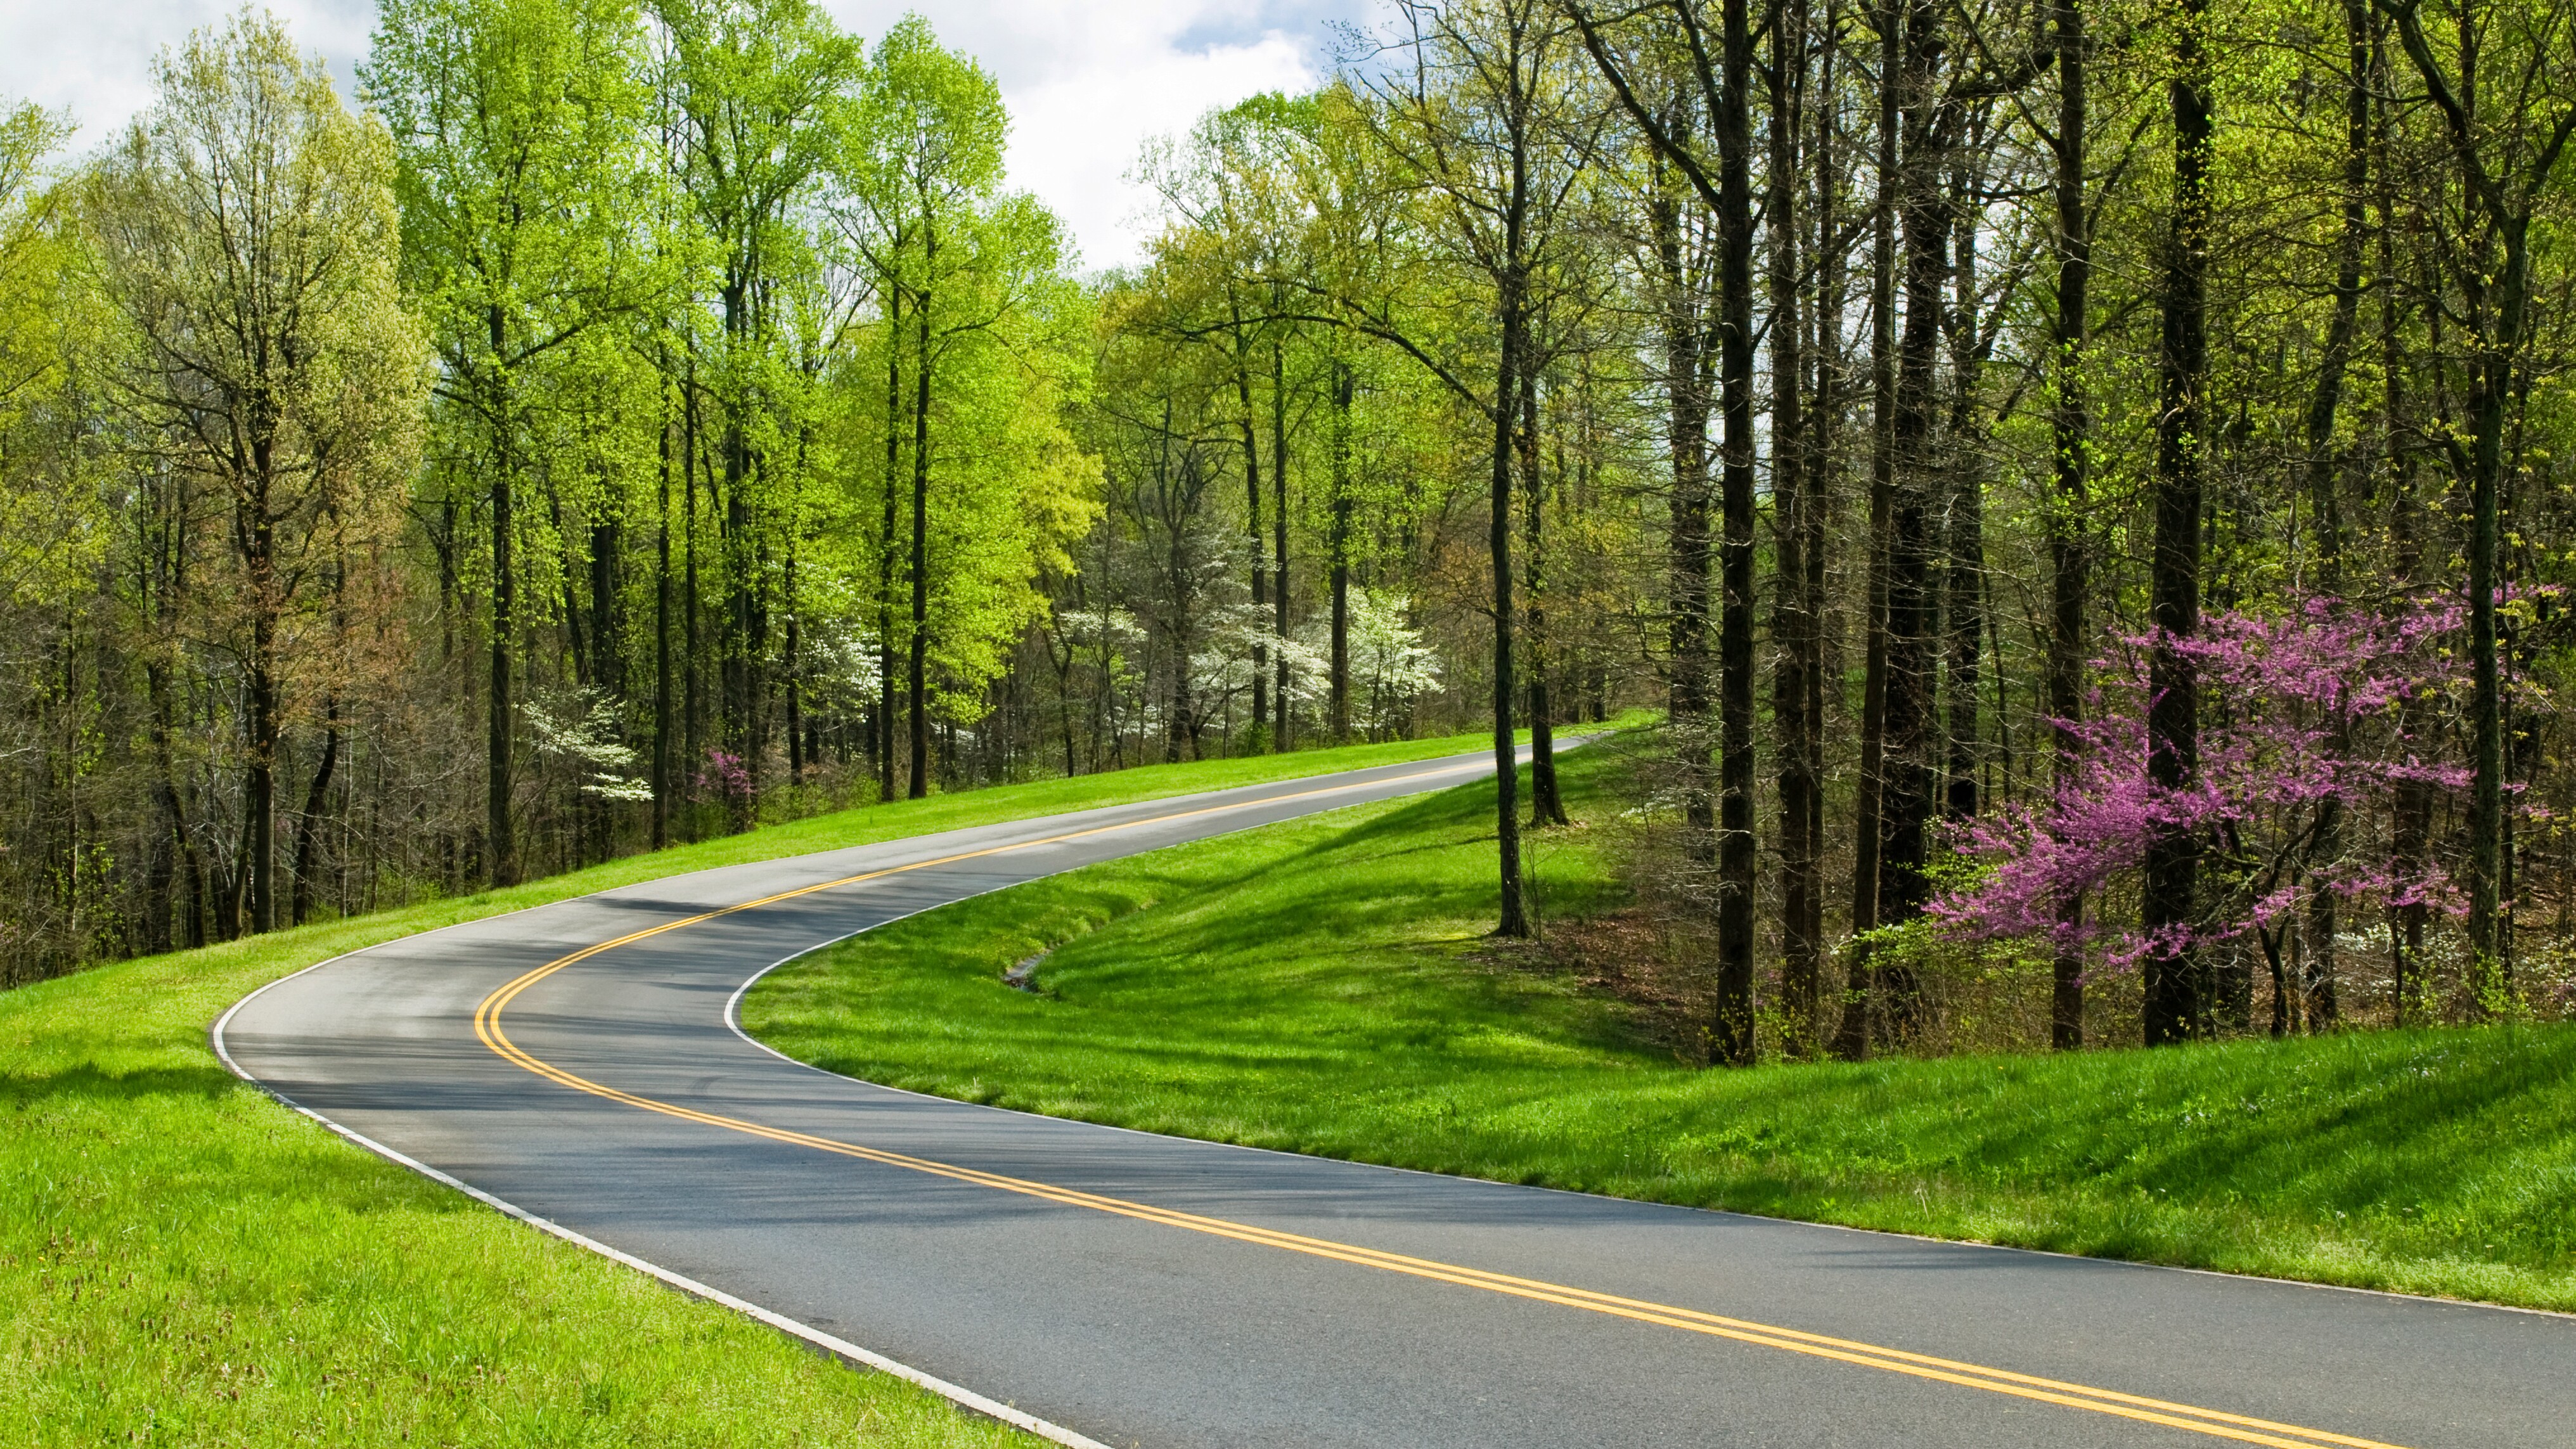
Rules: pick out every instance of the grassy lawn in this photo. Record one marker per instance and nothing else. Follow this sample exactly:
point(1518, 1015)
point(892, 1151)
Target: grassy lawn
point(1322, 987)
point(183, 1261)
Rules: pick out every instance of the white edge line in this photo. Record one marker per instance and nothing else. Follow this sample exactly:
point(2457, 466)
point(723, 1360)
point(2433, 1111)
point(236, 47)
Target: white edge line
point(840, 1347)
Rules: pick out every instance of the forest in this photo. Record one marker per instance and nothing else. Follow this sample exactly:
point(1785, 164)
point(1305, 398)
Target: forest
point(2078, 491)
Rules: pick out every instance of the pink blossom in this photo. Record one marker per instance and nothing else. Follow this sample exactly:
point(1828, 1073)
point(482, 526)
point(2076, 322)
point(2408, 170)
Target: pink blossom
point(2301, 711)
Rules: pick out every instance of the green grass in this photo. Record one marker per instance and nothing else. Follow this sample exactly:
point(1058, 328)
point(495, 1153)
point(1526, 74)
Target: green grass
point(184, 1261)
point(1323, 987)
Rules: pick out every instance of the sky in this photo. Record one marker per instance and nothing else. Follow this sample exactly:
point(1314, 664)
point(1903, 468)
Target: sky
point(1087, 81)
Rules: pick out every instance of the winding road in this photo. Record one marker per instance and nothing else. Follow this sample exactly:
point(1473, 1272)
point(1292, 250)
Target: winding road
point(577, 1065)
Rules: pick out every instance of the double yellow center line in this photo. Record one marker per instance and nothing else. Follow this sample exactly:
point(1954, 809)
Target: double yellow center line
point(2212, 1422)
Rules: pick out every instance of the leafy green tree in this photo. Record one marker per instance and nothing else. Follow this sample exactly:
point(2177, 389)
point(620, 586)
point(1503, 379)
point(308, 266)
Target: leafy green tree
point(247, 234)
point(513, 121)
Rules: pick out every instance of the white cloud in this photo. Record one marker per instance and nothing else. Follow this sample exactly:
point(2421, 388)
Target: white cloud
point(95, 60)
point(1087, 83)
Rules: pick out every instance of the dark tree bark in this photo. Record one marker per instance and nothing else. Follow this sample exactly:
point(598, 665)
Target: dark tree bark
point(500, 845)
point(1252, 518)
point(1687, 380)
point(1793, 625)
point(317, 796)
point(1909, 726)
point(886, 710)
point(1339, 544)
point(2177, 1005)
point(1279, 536)
point(1851, 1039)
point(662, 782)
point(1547, 804)
point(2069, 554)
point(2325, 465)
point(1514, 918)
point(1733, 1030)
point(918, 664)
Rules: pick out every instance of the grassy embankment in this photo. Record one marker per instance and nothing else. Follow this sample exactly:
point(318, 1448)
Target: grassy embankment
point(184, 1261)
point(1322, 987)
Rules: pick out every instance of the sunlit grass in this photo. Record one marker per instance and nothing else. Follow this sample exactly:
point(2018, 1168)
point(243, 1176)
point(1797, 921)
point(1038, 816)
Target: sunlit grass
point(1322, 987)
point(184, 1261)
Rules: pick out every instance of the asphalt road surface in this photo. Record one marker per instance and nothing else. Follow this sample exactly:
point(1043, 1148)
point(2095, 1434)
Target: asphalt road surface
point(577, 1064)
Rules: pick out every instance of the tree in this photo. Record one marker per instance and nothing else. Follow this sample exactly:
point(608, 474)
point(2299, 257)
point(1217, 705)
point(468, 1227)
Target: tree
point(247, 232)
point(930, 154)
point(2507, 156)
point(1487, 94)
point(510, 119)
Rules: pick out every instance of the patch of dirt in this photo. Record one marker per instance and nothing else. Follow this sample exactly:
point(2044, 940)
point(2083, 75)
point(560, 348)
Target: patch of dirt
point(1635, 957)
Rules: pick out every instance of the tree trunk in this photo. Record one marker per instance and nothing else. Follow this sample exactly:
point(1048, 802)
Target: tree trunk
point(662, 781)
point(501, 850)
point(1252, 526)
point(1344, 385)
point(1733, 1029)
point(2069, 556)
point(1823, 467)
point(308, 826)
point(1908, 725)
point(1686, 380)
point(2177, 1005)
point(1279, 536)
point(2325, 464)
point(917, 678)
point(1547, 805)
point(884, 730)
point(1851, 1039)
point(1792, 490)
point(1513, 917)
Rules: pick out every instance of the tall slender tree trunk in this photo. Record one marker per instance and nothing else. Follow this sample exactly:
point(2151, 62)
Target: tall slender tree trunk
point(1344, 388)
point(1908, 724)
point(308, 825)
point(692, 655)
point(501, 848)
point(795, 663)
point(1823, 469)
point(745, 696)
point(1792, 494)
point(1547, 804)
point(1252, 523)
point(917, 679)
point(1513, 915)
point(2177, 998)
point(1733, 1030)
point(2325, 466)
point(1279, 536)
point(662, 636)
point(886, 547)
point(2069, 556)
point(1851, 1039)
point(2411, 822)
point(1964, 622)
point(1687, 382)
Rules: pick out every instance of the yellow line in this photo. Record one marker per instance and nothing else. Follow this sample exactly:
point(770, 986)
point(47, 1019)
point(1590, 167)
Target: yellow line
point(487, 1026)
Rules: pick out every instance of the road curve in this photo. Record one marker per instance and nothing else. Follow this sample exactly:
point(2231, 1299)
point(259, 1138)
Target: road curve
point(1106, 1286)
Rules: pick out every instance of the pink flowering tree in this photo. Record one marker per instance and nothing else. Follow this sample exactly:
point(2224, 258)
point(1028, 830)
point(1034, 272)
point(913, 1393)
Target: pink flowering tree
point(725, 776)
point(2306, 721)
